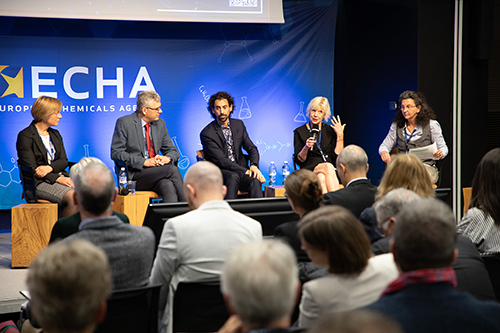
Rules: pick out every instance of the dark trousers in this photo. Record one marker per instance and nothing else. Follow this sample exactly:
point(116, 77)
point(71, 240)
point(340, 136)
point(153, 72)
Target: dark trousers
point(244, 183)
point(165, 180)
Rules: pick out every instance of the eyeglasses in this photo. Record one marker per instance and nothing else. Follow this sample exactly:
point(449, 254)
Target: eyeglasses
point(407, 107)
point(157, 110)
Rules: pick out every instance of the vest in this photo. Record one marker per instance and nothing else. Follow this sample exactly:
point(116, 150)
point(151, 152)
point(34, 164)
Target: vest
point(423, 141)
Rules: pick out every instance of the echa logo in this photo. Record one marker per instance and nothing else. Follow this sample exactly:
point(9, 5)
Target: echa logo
point(13, 76)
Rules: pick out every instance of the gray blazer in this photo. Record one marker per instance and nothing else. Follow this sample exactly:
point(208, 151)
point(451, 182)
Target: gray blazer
point(128, 142)
point(130, 248)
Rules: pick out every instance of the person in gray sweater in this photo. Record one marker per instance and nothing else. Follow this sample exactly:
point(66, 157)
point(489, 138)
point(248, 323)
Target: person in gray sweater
point(130, 249)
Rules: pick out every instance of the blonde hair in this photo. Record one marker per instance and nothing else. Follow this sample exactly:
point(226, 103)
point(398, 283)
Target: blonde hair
point(320, 103)
point(406, 171)
point(68, 281)
point(44, 107)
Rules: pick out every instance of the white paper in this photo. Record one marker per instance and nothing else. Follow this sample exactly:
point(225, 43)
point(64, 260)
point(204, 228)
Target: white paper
point(425, 153)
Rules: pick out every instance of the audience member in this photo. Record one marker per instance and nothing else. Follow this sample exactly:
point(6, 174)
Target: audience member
point(67, 226)
point(471, 273)
point(223, 140)
point(481, 222)
point(260, 286)
point(423, 298)
point(355, 321)
point(193, 246)
point(137, 140)
point(317, 144)
point(304, 193)
point(405, 171)
point(358, 192)
point(386, 209)
point(68, 285)
point(130, 248)
point(332, 236)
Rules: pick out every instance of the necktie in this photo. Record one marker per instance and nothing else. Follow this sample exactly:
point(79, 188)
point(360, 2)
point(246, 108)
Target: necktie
point(149, 143)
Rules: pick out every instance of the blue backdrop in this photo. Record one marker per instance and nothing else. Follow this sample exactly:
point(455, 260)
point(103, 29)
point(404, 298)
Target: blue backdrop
point(272, 71)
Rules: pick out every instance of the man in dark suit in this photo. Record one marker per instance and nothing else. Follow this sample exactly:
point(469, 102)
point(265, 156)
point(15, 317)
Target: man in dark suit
point(423, 297)
point(358, 192)
point(222, 142)
point(137, 141)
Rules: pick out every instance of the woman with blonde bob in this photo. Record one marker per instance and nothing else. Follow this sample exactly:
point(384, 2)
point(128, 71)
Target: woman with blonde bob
point(333, 237)
point(405, 171)
point(41, 147)
point(304, 193)
point(316, 145)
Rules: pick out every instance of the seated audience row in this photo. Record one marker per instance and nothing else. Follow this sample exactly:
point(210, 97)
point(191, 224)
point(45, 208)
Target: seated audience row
point(423, 298)
point(423, 245)
point(470, 270)
point(405, 171)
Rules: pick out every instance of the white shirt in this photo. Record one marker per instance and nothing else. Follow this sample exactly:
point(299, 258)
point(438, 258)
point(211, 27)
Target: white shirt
point(340, 293)
point(482, 230)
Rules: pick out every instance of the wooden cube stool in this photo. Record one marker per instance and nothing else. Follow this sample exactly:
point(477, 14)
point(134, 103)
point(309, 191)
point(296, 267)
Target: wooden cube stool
point(31, 227)
point(134, 206)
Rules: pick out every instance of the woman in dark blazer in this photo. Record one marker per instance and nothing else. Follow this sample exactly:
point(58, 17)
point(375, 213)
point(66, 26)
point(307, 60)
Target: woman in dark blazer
point(41, 147)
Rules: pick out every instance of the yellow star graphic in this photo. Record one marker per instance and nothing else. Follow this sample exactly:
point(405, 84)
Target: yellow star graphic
point(15, 83)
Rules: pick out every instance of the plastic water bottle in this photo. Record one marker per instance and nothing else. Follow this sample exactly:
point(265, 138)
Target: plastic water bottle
point(272, 174)
point(285, 171)
point(122, 178)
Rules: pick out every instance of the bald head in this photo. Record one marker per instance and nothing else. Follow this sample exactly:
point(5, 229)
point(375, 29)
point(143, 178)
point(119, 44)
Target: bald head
point(353, 157)
point(352, 163)
point(203, 182)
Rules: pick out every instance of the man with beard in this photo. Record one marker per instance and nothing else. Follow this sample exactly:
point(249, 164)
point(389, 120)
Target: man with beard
point(194, 246)
point(223, 140)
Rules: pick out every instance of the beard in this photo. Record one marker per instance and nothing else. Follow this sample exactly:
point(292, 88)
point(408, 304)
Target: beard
point(222, 118)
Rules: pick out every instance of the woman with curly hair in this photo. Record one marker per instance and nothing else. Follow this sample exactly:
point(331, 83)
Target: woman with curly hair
point(415, 126)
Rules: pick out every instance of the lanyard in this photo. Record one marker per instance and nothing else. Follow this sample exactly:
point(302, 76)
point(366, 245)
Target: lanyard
point(407, 139)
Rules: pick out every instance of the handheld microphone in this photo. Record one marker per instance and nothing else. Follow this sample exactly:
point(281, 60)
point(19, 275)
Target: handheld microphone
point(314, 132)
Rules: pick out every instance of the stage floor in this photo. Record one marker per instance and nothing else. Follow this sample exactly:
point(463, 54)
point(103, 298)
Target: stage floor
point(11, 280)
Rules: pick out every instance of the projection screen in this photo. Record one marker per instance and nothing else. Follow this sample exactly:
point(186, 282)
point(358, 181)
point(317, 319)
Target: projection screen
point(245, 11)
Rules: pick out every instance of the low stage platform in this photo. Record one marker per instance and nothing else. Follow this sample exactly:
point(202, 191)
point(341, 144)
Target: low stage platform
point(12, 280)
